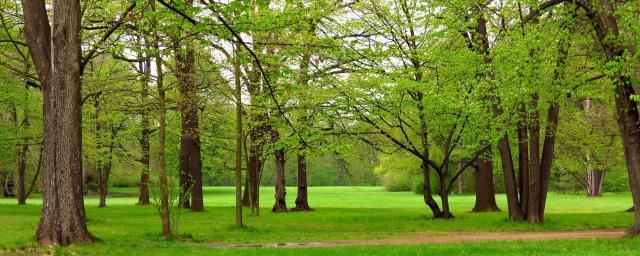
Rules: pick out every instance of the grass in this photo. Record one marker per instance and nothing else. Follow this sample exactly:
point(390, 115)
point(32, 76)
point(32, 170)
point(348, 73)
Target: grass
point(342, 213)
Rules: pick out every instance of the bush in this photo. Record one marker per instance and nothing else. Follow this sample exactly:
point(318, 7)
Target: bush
point(397, 181)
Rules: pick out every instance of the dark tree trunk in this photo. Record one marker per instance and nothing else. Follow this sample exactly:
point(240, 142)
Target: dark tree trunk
point(281, 192)
point(190, 161)
point(532, 214)
point(523, 159)
point(302, 200)
point(22, 167)
point(485, 193)
point(253, 168)
point(56, 57)
point(515, 212)
point(444, 197)
point(143, 198)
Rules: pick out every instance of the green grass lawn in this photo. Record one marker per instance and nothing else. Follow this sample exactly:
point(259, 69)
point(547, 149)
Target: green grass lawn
point(342, 213)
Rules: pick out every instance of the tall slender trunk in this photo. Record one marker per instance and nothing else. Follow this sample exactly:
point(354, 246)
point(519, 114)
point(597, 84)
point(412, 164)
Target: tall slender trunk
point(515, 212)
point(56, 57)
point(302, 199)
point(143, 198)
point(427, 196)
point(239, 135)
point(164, 184)
point(523, 159)
point(280, 204)
point(22, 167)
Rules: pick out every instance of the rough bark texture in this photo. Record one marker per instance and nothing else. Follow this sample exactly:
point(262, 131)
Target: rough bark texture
point(190, 161)
point(302, 200)
point(56, 55)
point(485, 193)
point(280, 204)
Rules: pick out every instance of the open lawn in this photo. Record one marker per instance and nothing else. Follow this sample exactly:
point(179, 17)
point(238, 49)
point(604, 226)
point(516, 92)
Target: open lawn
point(342, 213)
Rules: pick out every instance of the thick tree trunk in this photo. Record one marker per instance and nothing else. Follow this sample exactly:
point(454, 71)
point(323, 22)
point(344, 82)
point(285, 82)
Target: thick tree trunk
point(302, 200)
point(532, 214)
point(485, 193)
point(56, 57)
point(281, 191)
point(190, 162)
point(254, 166)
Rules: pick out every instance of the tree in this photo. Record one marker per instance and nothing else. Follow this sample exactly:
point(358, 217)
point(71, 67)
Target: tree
point(55, 56)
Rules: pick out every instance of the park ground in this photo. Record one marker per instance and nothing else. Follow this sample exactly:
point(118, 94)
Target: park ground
point(342, 214)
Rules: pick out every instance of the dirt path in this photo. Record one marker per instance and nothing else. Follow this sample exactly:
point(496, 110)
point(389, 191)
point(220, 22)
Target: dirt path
point(455, 237)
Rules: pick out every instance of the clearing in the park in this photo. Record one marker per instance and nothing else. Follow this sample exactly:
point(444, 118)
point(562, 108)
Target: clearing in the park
point(346, 221)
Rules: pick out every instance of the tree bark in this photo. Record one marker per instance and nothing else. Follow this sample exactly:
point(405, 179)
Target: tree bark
point(190, 159)
point(523, 159)
point(485, 193)
point(239, 135)
point(532, 214)
point(281, 191)
point(56, 57)
point(302, 199)
point(143, 198)
point(22, 167)
point(164, 184)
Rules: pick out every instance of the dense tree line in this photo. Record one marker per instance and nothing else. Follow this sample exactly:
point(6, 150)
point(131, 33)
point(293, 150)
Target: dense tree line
point(185, 93)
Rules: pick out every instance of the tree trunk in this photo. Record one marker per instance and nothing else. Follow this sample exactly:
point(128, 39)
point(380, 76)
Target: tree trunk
point(485, 193)
point(523, 159)
point(281, 191)
point(56, 57)
point(22, 167)
point(190, 162)
point(515, 212)
point(595, 179)
point(164, 184)
point(302, 200)
point(444, 197)
point(532, 214)
point(239, 135)
point(143, 198)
